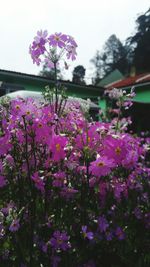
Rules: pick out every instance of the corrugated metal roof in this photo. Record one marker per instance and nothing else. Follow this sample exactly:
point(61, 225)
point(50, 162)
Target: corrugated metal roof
point(130, 81)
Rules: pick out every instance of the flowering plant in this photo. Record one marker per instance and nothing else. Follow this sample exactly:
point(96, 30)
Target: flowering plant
point(73, 192)
point(52, 48)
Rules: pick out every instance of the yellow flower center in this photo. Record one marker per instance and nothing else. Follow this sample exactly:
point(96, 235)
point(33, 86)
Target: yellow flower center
point(89, 139)
point(28, 112)
point(84, 235)
point(59, 241)
point(100, 164)
point(58, 147)
point(40, 125)
point(118, 150)
point(17, 107)
point(57, 38)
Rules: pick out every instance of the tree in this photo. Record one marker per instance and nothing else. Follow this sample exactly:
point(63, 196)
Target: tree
point(113, 56)
point(79, 74)
point(140, 43)
point(97, 61)
point(50, 73)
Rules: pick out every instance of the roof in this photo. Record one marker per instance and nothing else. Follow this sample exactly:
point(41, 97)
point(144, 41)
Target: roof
point(130, 81)
point(45, 79)
point(115, 75)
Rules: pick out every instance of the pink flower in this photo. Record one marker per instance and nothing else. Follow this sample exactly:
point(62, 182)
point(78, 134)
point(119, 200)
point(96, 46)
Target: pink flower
point(57, 147)
point(4, 144)
point(59, 179)
point(101, 167)
point(115, 148)
point(39, 183)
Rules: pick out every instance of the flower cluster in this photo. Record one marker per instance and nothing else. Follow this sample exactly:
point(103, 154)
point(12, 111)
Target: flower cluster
point(49, 49)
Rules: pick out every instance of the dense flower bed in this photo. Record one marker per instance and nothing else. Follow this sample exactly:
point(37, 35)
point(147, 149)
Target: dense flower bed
point(73, 193)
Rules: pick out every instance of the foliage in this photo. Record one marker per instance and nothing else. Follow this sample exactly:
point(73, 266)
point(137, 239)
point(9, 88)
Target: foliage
point(50, 73)
point(139, 43)
point(79, 74)
point(98, 65)
point(113, 56)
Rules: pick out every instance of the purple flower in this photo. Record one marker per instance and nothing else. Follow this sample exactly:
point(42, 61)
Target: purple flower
point(102, 223)
point(71, 52)
point(119, 233)
point(9, 159)
point(41, 36)
point(38, 46)
point(55, 260)
point(88, 235)
point(119, 189)
point(2, 181)
point(39, 183)
point(1, 166)
point(57, 39)
point(137, 212)
point(43, 246)
point(60, 241)
point(108, 236)
point(59, 179)
point(41, 53)
point(147, 220)
point(68, 192)
point(15, 225)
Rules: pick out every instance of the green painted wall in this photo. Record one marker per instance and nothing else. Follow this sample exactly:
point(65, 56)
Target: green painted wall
point(102, 104)
point(36, 83)
point(143, 94)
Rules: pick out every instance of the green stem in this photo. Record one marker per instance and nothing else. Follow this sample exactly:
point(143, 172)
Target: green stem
point(56, 88)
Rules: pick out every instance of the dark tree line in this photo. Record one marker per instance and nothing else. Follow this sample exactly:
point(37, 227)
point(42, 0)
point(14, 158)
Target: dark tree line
point(134, 53)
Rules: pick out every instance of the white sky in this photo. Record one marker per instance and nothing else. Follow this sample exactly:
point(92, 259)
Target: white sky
point(90, 22)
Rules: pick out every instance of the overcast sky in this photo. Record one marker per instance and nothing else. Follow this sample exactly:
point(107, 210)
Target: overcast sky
point(90, 22)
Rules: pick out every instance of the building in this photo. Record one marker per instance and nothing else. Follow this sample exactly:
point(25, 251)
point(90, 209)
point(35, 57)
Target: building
point(11, 81)
point(140, 110)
